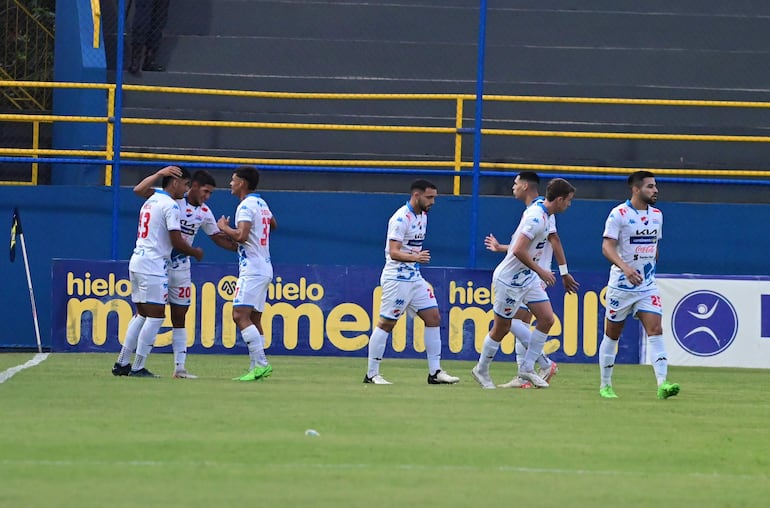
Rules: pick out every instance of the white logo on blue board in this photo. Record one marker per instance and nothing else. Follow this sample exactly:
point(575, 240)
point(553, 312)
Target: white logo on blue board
point(704, 323)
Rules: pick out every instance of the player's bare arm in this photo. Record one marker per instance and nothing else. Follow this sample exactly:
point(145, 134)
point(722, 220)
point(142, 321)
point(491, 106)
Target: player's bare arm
point(273, 224)
point(570, 284)
point(224, 241)
point(610, 251)
point(394, 247)
point(144, 188)
point(521, 251)
point(492, 244)
point(182, 246)
point(239, 234)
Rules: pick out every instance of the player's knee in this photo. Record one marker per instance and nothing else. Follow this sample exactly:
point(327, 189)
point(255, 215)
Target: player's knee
point(544, 323)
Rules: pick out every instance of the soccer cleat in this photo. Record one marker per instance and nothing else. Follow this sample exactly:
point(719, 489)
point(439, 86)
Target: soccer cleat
point(183, 374)
point(376, 380)
point(667, 390)
point(442, 378)
point(482, 378)
point(121, 370)
point(607, 392)
point(547, 373)
point(533, 378)
point(516, 382)
point(258, 372)
point(141, 373)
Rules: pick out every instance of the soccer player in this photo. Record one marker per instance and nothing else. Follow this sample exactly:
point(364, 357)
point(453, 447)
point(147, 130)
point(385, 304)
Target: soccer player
point(525, 188)
point(403, 287)
point(253, 223)
point(158, 233)
point(631, 235)
point(517, 280)
point(194, 215)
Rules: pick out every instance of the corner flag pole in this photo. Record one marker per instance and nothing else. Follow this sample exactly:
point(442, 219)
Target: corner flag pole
point(16, 229)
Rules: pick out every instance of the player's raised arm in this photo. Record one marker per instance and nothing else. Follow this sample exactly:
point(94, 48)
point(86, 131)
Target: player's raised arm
point(144, 188)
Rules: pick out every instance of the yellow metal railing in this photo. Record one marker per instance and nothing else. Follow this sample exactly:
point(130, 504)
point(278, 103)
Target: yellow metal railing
point(453, 161)
point(96, 19)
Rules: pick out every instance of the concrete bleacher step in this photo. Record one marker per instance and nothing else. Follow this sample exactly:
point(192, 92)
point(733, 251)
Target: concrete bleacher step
point(691, 49)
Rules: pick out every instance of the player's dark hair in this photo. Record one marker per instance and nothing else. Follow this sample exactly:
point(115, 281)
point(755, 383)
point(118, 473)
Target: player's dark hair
point(167, 179)
point(422, 185)
point(250, 174)
point(635, 179)
point(203, 177)
point(557, 188)
point(529, 176)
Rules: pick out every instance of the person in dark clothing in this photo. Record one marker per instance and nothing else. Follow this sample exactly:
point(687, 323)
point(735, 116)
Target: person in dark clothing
point(150, 18)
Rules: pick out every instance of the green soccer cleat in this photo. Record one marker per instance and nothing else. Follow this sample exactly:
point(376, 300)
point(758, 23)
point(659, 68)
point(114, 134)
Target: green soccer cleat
point(667, 390)
point(607, 392)
point(256, 373)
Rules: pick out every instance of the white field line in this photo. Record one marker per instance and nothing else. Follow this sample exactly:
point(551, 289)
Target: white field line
point(9, 373)
point(407, 467)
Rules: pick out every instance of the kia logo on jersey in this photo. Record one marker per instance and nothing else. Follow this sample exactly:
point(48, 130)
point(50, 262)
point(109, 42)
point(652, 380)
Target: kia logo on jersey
point(704, 323)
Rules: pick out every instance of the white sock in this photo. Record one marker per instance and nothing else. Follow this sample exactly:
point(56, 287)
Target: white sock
point(377, 343)
point(147, 337)
point(523, 334)
point(488, 351)
point(521, 350)
point(657, 351)
point(521, 331)
point(252, 338)
point(607, 351)
point(179, 345)
point(534, 350)
point(131, 339)
point(432, 339)
point(262, 360)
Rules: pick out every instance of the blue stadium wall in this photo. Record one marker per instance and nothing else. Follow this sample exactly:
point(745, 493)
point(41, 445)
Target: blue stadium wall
point(349, 229)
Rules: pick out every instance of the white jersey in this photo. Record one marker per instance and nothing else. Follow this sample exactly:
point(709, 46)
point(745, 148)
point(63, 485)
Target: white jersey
point(637, 233)
point(158, 216)
point(408, 228)
point(254, 253)
point(191, 219)
point(535, 226)
point(547, 257)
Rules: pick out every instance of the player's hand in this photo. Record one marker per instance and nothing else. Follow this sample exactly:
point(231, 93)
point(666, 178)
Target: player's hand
point(423, 256)
point(548, 277)
point(223, 222)
point(570, 284)
point(633, 276)
point(174, 171)
point(198, 253)
point(491, 242)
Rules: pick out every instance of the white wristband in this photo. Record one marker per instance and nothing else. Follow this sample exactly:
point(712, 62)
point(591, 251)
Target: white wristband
point(563, 269)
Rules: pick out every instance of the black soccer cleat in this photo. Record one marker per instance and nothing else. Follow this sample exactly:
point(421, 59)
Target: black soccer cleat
point(121, 370)
point(141, 373)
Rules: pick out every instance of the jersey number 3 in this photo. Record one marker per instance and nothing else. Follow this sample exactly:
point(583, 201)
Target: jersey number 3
point(265, 231)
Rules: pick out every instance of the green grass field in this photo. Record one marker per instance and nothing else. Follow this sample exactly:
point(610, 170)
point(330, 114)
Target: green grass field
point(72, 435)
